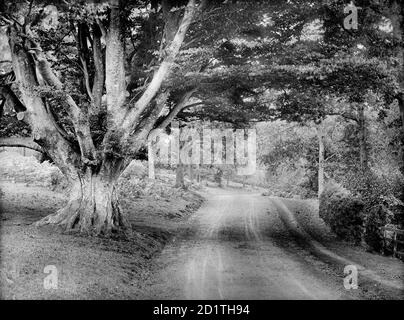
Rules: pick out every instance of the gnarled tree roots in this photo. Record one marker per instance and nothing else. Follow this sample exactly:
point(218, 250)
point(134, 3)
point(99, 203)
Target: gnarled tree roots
point(93, 208)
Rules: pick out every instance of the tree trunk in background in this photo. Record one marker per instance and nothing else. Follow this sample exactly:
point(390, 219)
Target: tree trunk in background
point(401, 100)
point(179, 172)
point(218, 177)
point(362, 139)
point(93, 205)
point(150, 159)
point(191, 173)
point(179, 176)
point(198, 173)
point(401, 108)
point(396, 16)
point(320, 133)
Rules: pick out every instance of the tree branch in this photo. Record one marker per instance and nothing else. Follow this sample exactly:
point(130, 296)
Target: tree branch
point(2, 103)
point(81, 39)
point(99, 76)
point(79, 118)
point(344, 115)
point(43, 129)
point(133, 115)
point(146, 126)
point(182, 103)
point(150, 120)
point(11, 99)
point(20, 142)
point(115, 81)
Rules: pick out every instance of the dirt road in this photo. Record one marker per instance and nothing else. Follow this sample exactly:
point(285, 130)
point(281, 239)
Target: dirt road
point(242, 245)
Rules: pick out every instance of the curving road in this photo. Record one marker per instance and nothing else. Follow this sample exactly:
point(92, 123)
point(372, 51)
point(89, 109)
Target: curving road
point(239, 246)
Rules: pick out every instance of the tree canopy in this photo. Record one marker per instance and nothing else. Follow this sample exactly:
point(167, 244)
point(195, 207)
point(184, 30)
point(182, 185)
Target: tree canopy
point(92, 80)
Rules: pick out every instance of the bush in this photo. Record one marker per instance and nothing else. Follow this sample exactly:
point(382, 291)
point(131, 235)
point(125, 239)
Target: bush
point(342, 212)
point(290, 180)
point(375, 218)
point(17, 168)
point(134, 183)
point(380, 195)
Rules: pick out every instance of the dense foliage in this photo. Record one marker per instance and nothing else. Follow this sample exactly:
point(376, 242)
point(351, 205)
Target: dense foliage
point(342, 212)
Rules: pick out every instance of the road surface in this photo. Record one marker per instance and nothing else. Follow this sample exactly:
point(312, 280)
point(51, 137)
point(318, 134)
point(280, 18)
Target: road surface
point(241, 245)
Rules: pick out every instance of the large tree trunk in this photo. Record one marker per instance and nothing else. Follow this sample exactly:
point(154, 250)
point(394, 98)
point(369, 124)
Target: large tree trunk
point(93, 205)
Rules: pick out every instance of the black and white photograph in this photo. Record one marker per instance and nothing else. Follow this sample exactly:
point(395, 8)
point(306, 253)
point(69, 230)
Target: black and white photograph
point(185, 153)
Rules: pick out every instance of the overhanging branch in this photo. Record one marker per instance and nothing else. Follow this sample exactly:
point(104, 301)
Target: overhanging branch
point(183, 102)
point(133, 115)
point(20, 142)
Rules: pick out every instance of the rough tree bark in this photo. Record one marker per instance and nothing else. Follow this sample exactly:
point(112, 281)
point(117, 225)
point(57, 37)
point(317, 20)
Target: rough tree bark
point(93, 205)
